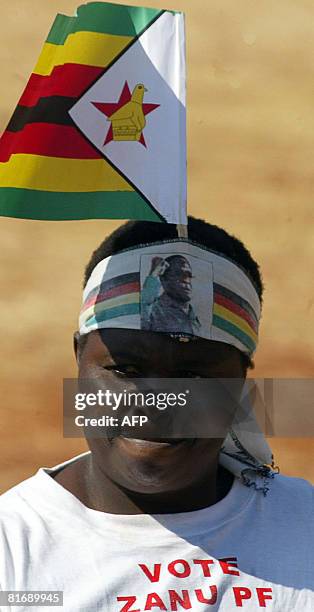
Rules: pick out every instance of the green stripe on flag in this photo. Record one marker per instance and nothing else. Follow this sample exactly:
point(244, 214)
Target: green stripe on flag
point(64, 206)
point(105, 18)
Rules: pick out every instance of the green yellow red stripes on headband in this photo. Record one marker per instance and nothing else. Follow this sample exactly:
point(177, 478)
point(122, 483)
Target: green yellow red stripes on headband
point(120, 296)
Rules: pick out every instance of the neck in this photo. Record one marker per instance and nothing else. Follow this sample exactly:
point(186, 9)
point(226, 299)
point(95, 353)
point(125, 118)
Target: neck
point(95, 490)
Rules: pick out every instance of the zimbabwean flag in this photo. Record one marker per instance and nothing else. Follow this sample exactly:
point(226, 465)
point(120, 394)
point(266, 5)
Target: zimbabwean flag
point(99, 131)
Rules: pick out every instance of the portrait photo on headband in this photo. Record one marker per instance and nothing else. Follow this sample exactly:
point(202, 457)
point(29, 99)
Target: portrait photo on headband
point(176, 293)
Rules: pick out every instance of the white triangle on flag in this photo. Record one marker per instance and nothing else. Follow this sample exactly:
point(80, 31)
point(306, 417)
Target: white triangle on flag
point(158, 170)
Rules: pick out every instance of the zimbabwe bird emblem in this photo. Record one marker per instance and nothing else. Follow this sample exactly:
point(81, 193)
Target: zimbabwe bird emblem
point(127, 116)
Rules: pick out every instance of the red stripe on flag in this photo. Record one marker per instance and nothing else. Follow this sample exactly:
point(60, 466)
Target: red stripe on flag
point(67, 80)
point(47, 139)
point(223, 301)
point(114, 292)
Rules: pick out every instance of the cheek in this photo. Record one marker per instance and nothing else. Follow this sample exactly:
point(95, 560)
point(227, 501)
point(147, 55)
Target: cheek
point(173, 288)
point(91, 365)
point(92, 373)
point(148, 474)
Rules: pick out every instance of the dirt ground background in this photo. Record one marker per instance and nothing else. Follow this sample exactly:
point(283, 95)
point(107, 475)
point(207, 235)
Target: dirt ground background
point(250, 160)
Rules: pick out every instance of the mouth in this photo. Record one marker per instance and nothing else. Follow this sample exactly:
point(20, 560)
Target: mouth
point(186, 289)
point(155, 443)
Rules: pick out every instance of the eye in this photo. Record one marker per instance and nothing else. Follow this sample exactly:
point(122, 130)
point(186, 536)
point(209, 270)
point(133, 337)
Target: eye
point(127, 370)
point(189, 374)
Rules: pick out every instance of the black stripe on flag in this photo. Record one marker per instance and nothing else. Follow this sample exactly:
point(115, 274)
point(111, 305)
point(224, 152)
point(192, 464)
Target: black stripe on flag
point(53, 109)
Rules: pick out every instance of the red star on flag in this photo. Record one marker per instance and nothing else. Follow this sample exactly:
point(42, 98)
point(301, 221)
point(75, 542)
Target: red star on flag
point(108, 108)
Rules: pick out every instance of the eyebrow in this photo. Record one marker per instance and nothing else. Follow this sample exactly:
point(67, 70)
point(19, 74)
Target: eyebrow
point(124, 356)
point(213, 359)
point(190, 361)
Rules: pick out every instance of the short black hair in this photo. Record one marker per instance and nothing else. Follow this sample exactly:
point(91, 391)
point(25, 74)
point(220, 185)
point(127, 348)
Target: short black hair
point(213, 237)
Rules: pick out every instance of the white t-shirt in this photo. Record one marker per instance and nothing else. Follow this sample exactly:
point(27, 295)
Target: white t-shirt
point(247, 551)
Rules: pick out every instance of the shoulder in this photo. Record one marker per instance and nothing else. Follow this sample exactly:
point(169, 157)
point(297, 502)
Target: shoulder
point(10, 496)
point(14, 504)
point(159, 304)
point(290, 496)
point(22, 532)
point(285, 485)
point(17, 522)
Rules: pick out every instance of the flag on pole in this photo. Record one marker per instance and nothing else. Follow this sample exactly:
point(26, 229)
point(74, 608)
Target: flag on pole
point(100, 130)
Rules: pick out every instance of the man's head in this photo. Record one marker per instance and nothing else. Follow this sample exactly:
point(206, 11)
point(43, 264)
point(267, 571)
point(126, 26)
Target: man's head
point(176, 280)
point(112, 355)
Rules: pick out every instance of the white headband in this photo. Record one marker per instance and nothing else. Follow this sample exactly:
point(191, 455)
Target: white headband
point(174, 286)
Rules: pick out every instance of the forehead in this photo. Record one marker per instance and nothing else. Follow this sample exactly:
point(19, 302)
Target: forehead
point(151, 346)
point(179, 263)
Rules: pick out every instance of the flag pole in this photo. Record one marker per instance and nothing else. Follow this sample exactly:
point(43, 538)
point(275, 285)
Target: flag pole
point(182, 231)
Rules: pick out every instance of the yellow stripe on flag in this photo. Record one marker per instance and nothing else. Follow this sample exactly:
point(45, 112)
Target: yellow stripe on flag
point(60, 174)
point(223, 312)
point(88, 48)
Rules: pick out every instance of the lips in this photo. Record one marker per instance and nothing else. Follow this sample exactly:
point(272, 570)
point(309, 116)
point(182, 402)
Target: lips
point(156, 442)
point(152, 439)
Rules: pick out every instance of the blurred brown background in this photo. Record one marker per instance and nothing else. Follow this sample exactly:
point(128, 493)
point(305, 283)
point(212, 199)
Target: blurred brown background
point(251, 170)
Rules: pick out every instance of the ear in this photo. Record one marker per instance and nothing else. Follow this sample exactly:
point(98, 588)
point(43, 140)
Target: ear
point(247, 364)
point(76, 340)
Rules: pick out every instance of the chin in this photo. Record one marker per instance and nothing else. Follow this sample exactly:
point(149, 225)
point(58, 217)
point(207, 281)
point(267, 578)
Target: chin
point(151, 466)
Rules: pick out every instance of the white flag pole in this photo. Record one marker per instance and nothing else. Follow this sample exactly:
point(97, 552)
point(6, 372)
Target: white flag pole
point(182, 231)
